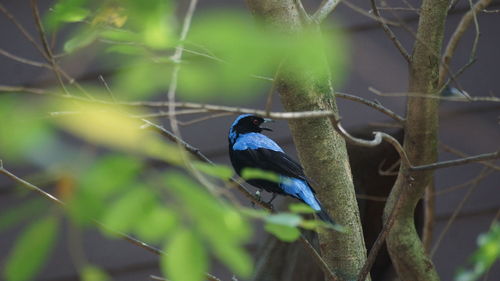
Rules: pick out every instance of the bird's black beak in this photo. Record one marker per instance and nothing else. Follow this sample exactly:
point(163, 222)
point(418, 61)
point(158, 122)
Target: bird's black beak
point(267, 120)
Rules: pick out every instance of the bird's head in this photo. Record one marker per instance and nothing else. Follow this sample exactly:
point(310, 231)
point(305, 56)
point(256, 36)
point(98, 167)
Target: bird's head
point(248, 123)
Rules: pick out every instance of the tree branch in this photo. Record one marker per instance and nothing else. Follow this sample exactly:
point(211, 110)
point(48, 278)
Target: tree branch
point(391, 34)
point(464, 24)
point(325, 8)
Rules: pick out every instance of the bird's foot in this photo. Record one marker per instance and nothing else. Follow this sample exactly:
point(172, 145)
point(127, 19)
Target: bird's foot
point(272, 198)
point(259, 198)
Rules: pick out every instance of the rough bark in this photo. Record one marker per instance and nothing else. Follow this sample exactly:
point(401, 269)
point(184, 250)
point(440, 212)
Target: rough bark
point(420, 143)
point(321, 150)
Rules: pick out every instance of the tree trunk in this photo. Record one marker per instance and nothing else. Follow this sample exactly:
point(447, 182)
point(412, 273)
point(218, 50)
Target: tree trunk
point(420, 143)
point(321, 150)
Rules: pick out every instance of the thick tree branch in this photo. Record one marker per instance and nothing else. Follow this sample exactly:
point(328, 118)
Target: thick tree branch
point(420, 144)
point(325, 8)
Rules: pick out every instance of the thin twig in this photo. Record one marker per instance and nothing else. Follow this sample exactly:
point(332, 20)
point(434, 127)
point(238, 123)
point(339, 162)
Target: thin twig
point(25, 33)
point(457, 162)
point(108, 89)
point(391, 34)
point(23, 60)
point(457, 211)
point(452, 150)
point(325, 8)
point(63, 204)
point(363, 12)
point(464, 24)
point(464, 99)
point(45, 44)
point(372, 104)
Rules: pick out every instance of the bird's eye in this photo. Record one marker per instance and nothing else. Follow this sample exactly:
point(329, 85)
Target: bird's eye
point(255, 122)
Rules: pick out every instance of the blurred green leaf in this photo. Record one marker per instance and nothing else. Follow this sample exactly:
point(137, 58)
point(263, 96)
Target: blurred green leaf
point(31, 250)
point(156, 224)
point(487, 253)
point(23, 211)
point(123, 214)
point(283, 232)
point(66, 11)
point(284, 219)
point(81, 39)
point(186, 258)
point(254, 173)
point(112, 127)
point(227, 49)
point(220, 171)
point(223, 227)
point(94, 273)
point(142, 78)
point(23, 128)
point(110, 174)
point(301, 208)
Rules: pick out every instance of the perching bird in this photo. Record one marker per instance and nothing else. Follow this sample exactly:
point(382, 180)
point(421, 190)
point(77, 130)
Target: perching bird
point(248, 148)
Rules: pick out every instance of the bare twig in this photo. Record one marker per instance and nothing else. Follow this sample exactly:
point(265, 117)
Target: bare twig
point(465, 99)
point(391, 34)
point(457, 210)
point(61, 203)
point(452, 150)
point(457, 162)
point(23, 60)
point(457, 35)
point(325, 8)
point(108, 89)
point(461, 185)
point(21, 28)
point(45, 44)
point(363, 12)
point(372, 104)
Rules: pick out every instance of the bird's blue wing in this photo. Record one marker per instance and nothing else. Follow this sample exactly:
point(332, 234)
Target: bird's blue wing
point(258, 151)
point(302, 190)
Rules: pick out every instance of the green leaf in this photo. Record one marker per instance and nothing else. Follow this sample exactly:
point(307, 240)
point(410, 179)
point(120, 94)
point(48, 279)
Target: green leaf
point(156, 224)
point(66, 11)
point(123, 214)
point(93, 273)
point(222, 226)
point(484, 257)
point(31, 250)
point(111, 174)
point(81, 39)
point(16, 214)
point(23, 130)
point(186, 258)
point(254, 173)
point(285, 219)
point(220, 171)
point(283, 232)
point(301, 208)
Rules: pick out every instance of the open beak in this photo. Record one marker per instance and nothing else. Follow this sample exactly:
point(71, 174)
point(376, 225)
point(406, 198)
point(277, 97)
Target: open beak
point(267, 120)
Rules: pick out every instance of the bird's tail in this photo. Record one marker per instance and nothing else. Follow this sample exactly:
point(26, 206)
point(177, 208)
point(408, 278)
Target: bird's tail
point(324, 216)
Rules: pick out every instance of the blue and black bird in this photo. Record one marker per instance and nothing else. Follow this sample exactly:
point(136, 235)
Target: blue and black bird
point(249, 148)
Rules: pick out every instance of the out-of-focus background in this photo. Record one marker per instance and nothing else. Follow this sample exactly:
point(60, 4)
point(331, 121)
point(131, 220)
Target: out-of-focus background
point(471, 128)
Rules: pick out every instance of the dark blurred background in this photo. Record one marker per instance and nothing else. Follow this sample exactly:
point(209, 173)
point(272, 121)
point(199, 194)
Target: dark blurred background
point(468, 127)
